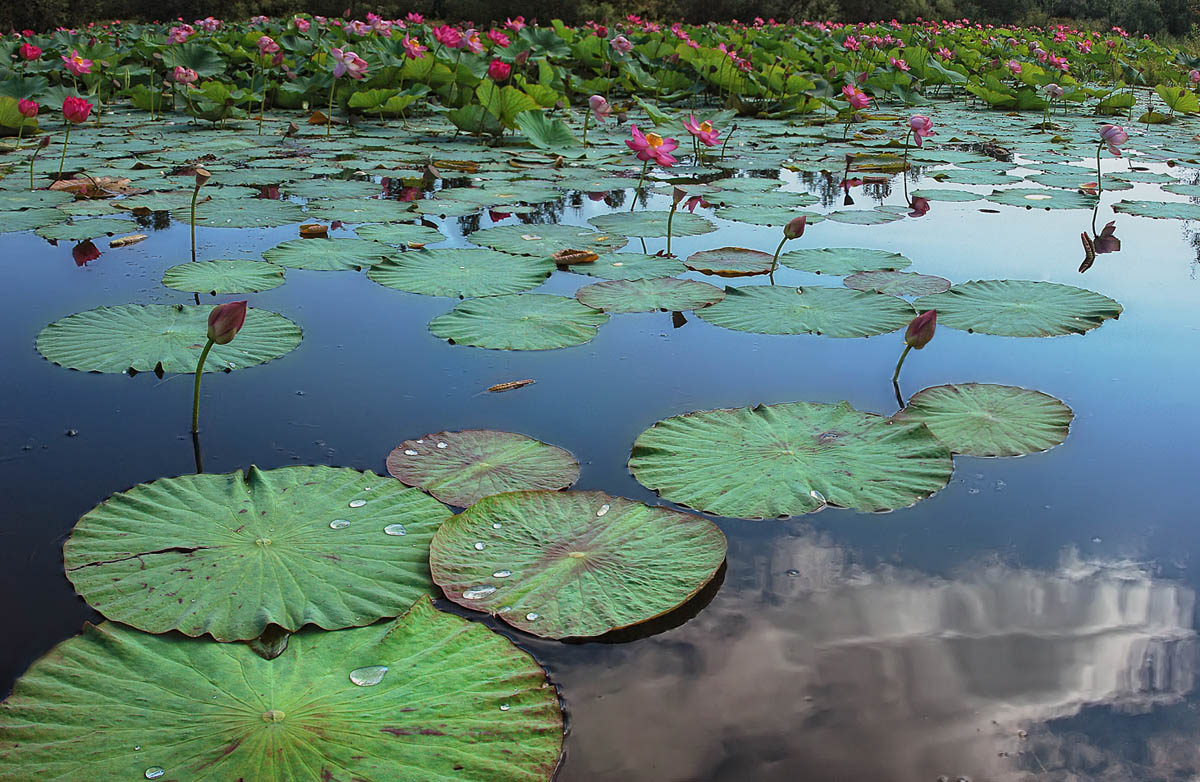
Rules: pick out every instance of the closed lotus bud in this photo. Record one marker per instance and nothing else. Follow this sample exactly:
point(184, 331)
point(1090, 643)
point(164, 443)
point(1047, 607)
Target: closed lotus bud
point(920, 331)
point(225, 321)
point(44, 143)
point(202, 176)
point(795, 228)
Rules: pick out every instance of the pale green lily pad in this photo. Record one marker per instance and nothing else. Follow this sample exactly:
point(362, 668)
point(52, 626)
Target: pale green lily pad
point(947, 195)
point(242, 213)
point(461, 467)
point(839, 261)
point(981, 419)
point(227, 555)
point(575, 563)
point(877, 216)
point(630, 266)
point(462, 272)
point(897, 283)
point(1163, 210)
point(80, 230)
point(832, 312)
point(519, 321)
point(775, 461)
point(29, 219)
point(453, 701)
point(648, 225)
point(329, 254)
point(1020, 308)
point(144, 336)
point(215, 277)
point(361, 210)
point(1042, 198)
point(546, 240)
point(400, 233)
point(731, 262)
point(773, 216)
point(664, 293)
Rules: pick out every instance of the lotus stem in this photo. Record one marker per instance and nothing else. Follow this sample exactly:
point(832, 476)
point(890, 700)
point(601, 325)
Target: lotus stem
point(1099, 179)
point(638, 189)
point(329, 118)
point(726, 141)
point(586, 117)
point(195, 194)
point(670, 219)
point(67, 138)
point(20, 130)
point(775, 260)
point(196, 388)
point(895, 375)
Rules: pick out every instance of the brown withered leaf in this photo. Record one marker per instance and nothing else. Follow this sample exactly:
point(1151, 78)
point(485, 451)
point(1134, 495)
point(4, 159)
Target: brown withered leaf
point(570, 257)
point(125, 241)
point(318, 118)
point(97, 187)
point(510, 385)
point(314, 231)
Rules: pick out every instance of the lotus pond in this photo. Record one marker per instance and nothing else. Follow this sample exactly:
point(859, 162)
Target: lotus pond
point(491, 485)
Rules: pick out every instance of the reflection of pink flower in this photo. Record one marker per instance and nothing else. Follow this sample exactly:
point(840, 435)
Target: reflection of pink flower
point(600, 108)
point(622, 45)
point(856, 97)
point(85, 252)
point(77, 63)
point(347, 62)
point(1107, 241)
point(922, 127)
point(499, 71)
point(652, 146)
point(919, 206)
point(414, 49)
point(703, 131)
point(1114, 136)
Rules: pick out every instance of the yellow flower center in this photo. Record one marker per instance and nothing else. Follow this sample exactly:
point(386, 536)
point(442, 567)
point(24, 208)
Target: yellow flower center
point(706, 126)
point(654, 140)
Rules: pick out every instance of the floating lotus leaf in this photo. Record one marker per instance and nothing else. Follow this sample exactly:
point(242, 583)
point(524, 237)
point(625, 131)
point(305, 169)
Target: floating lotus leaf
point(453, 700)
point(575, 563)
point(833, 312)
point(461, 467)
point(975, 177)
point(329, 254)
point(361, 210)
point(462, 272)
point(29, 219)
point(897, 283)
point(630, 266)
point(774, 216)
point(665, 293)
point(87, 229)
point(519, 321)
point(840, 261)
point(27, 199)
point(400, 233)
point(943, 194)
point(1020, 308)
point(731, 262)
point(1042, 198)
point(981, 419)
point(1183, 189)
point(227, 555)
point(776, 198)
point(242, 213)
point(143, 336)
point(258, 177)
point(223, 276)
point(651, 224)
point(333, 188)
point(877, 216)
point(546, 240)
point(1163, 210)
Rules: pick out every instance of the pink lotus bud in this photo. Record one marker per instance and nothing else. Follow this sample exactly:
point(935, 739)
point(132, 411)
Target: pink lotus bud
point(795, 228)
point(27, 108)
point(225, 321)
point(920, 331)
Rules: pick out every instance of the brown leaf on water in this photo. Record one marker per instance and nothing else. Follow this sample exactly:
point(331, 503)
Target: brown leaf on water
point(318, 118)
point(510, 385)
point(314, 231)
point(97, 187)
point(570, 257)
point(465, 166)
point(125, 241)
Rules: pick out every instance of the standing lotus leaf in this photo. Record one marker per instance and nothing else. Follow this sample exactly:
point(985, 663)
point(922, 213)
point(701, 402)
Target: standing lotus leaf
point(1020, 308)
point(228, 555)
point(461, 467)
point(775, 461)
point(981, 419)
point(574, 563)
point(427, 696)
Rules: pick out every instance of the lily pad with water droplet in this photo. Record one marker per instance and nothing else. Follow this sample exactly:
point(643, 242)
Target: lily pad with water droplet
point(143, 336)
point(458, 702)
point(1042, 198)
point(784, 460)
point(630, 266)
point(228, 555)
point(731, 262)
point(648, 225)
point(461, 467)
point(982, 419)
point(579, 563)
point(519, 321)
point(773, 216)
point(241, 213)
point(833, 312)
point(838, 261)
point(462, 271)
point(666, 293)
point(1020, 308)
point(897, 283)
point(223, 276)
point(546, 240)
point(877, 216)
point(329, 254)
point(400, 233)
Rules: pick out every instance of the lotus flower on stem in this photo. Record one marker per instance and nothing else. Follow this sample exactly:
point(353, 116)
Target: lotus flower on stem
point(28, 110)
point(690, 202)
point(917, 335)
point(857, 100)
point(702, 133)
point(650, 147)
point(75, 111)
point(793, 230)
point(224, 322)
point(598, 108)
point(1111, 136)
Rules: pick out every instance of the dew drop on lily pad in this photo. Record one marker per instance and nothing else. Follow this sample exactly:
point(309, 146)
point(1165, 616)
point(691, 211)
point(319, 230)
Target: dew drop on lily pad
point(154, 772)
point(339, 524)
point(504, 707)
point(479, 546)
point(395, 529)
point(368, 676)
point(531, 616)
point(479, 592)
point(409, 452)
point(603, 510)
point(502, 574)
point(357, 503)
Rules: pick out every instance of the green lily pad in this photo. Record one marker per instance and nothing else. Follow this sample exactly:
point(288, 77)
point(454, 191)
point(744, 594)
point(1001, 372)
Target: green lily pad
point(546, 240)
point(461, 467)
point(833, 312)
point(400, 233)
point(453, 701)
point(1020, 308)
point(87, 229)
point(897, 283)
point(981, 419)
point(223, 277)
point(29, 219)
point(877, 216)
point(731, 262)
point(575, 563)
point(329, 254)
point(143, 336)
point(1163, 210)
point(630, 266)
point(648, 225)
point(772, 216)
point(947, 195)
point(227, 555)
point(462, 272)
point(519, 321)
point(242, 213)
point(1042, 198)
point(788, 459)
point(839, 261)
point(361, 210)
point(664, 293)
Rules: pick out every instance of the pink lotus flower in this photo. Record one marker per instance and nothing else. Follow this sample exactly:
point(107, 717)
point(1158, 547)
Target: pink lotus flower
point(920, 330)
point(622, 45)
point(898, 64)
point(414, 17)
point(851, 44)
point(267, 46)
point(856, 97)
point(1014, 67)
point(472, 42)
point(30, 52)
point(302, 24)
point(922, 127)
point(225, 321)
point(499, 71)
point(77, 63)
point(347, 62)
point(515, 24)
point(359, 28)
point(600, 108)
point(208, 24)
point(414, 49)
point(1053, 91)
point(180, 33)
point(184, 75)
point(703, 131)
point(795, 227)
point(499, 38)
point(76, 110)
point(448, 36)
point(652, 146)
point(1194, 77)
point(1114, 136)
point(27, 108)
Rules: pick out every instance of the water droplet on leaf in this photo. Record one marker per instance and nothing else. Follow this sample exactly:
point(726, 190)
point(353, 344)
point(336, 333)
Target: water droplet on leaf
point(357, 503)
point(339, 524)
point(395, 529)
point(368, 676)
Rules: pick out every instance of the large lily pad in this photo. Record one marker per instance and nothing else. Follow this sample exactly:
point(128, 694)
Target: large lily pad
point(897, 283)
point(665, 293)
point(546, 240)
point(788, 459)
point(651, 224)
point(228, 555)
point(145, 336)
point(630, 266)
point(519, 321)
point(1020, 308)
point(462, 272)
point(573, 564)
point(840, 261)
point(461, 467)
point(242, 213)
point(731, 262)
point(453, 700)
point(87, 229)
point(833, 312)
point(328, 254)
point(981, 419)
point(400, 233)
point(223, 277)
point(1034, 198)
point(1163, 210)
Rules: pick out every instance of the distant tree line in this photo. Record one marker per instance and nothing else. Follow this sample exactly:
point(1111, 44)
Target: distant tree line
point(1173, 17)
